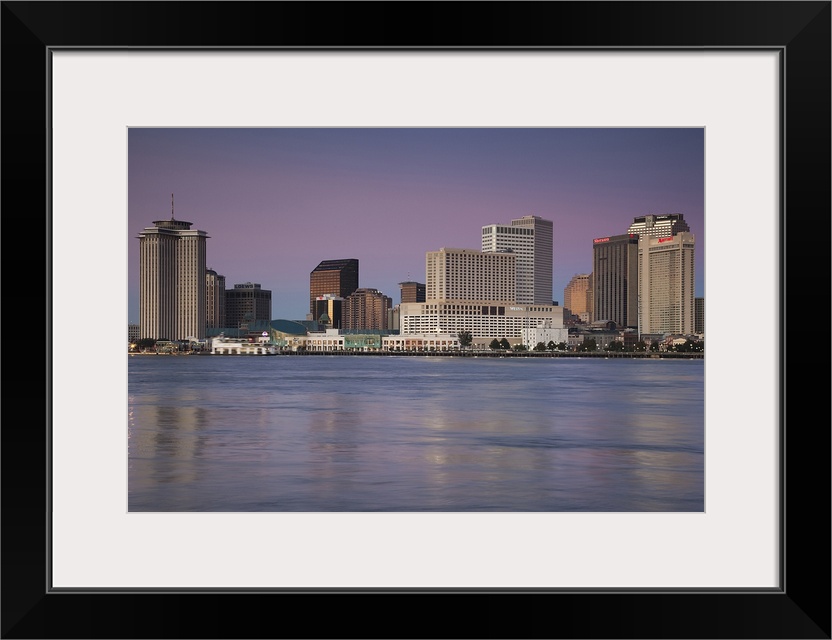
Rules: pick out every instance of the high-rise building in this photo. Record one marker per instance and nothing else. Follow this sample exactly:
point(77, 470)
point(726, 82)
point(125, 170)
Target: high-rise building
point(666, 284)
point(335, 277)
point(329, 310)
point(172, 280)
point(468, 274)
point(699, 315)
point(530, 237)
point(247, 303)
point(615, 280)
point(412, 291)
point(475, 291)
point(365, 309)
point(577, 296)
point(215, 299)
point(659, 226)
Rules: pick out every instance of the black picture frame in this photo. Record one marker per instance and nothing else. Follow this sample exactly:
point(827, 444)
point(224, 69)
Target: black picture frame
point(799, 608)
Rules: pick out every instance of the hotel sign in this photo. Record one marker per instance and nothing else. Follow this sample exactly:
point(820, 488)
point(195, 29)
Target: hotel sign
point(597, 240)
point(666, 239)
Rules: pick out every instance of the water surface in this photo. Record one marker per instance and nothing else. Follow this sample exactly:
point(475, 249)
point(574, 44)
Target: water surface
point(418, 434)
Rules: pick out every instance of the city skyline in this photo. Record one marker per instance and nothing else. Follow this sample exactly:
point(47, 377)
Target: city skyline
point(276, 202)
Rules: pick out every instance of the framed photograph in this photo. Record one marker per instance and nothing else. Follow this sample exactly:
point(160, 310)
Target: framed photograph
point(753, 76)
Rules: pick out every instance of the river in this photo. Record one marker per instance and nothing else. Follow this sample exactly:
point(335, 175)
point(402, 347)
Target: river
point(414, 434)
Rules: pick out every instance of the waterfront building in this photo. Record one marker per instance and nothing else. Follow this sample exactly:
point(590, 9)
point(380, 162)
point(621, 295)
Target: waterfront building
point(344, 340)
point(468, 274)
point(699, 316)
point(483, 319)
point(172, 303)
point(577, 296)
point(365, 309)
point(659, 226)
point(428, 342)
point(133, 332)
point(530, 238)
point(335, 277)
point(412, 291)
point(545, 332)
point(326, 340)
point(214, 299)
point(287, 334)
point(615, 279)
point(666, 284)
point(602, 333)
point(247, 303)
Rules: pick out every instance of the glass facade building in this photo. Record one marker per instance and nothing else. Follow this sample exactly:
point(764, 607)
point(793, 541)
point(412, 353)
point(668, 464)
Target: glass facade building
point(334, 277)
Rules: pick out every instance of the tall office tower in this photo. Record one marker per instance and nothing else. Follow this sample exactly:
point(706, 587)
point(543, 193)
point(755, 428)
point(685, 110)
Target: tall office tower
point(661, 226)
point(329, 310)
point(530, 237)
point(172, 280)
point(366, 309)
point(577, 296)
point(337, 277)
point(247, 303)
point(666, 284)
point(412, 291)
point(615, 279)
point(468, 274)
point(215, 299)
point(699, 315)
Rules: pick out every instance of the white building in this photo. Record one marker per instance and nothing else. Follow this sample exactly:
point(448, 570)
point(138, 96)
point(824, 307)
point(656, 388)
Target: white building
point(530, 237)
point(172, 291)
point(666, 284)
point(545, 332)
point(433, 342)
point(327, 340)
point(483, 319)
point(468, 274)
point(476, 291)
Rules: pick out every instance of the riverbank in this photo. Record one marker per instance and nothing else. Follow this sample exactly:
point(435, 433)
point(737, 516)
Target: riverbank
point(510, 354)
point(470, 354)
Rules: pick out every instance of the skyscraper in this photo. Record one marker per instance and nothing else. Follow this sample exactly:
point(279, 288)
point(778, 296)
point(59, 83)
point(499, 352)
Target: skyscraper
point(666, 284)
point(172, 302)
point(365, 309)
point(615, 279)
point(699, 315)
point(329, 310)
point(336, 277)
point(412, 291)
point(577, 296)
point(468, 274)
point(659, 226)
point(247, 303)
point(530, 237)
point(215, 299)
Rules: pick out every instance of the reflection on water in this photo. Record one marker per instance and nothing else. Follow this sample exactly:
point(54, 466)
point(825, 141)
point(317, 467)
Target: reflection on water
point(339, 433)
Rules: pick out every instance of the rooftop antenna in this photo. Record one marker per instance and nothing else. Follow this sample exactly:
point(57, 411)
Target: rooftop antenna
point(171, 207)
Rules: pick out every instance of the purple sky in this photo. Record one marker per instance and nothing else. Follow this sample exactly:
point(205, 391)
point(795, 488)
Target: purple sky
point(275, 202)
